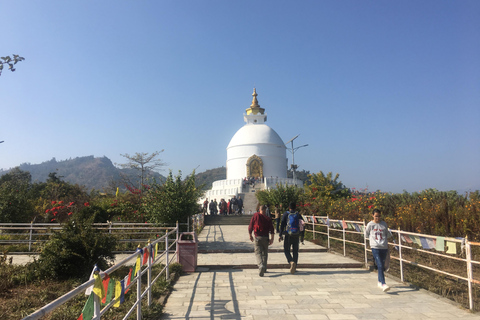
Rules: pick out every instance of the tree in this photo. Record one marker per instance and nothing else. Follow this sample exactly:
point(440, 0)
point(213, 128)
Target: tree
point(175, 200)
point(10, 61)
point(15, 202)
point(280, 195)
point(142, 162)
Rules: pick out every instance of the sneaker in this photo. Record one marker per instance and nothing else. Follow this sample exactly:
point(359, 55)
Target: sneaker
point(380, 285)
point(385, 288)
point(293, 267)
point(261, 272)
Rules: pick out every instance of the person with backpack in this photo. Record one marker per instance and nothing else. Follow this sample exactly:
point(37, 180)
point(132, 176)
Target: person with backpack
point(290, 228)
point(261, 225)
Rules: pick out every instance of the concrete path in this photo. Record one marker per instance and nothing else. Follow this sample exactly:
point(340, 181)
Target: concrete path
point(226, 285)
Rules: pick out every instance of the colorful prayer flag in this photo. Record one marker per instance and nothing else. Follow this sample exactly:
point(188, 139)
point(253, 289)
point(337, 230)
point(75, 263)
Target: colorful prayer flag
point(451, 247)
point(98, 286)
point(407, 238)
point(128, 278)
point(156, 249)
point(87, 311)
point(344, 224)
point(119, 293)
point(426, 244)
point(440, 245)
point(110, 291)
point(145, 256)
point(356, 227)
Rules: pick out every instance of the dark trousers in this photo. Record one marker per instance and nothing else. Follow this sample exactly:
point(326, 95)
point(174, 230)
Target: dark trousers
point(380, 255)
point(291, 242)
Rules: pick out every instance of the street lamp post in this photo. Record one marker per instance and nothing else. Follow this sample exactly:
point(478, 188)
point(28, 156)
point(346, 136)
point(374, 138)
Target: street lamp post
point(292, 150)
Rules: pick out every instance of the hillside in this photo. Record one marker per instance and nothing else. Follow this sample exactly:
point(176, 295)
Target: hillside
point(91, 172)
point(209, 176)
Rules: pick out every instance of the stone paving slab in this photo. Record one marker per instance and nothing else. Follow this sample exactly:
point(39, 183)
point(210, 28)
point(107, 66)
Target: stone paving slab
point(311, 293)
point(308, 294)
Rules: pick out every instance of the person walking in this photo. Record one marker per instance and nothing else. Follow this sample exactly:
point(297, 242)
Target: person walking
point(261, 225)
point(240, 205)
point(290, 228)
point(377, 233)
point(278, 216)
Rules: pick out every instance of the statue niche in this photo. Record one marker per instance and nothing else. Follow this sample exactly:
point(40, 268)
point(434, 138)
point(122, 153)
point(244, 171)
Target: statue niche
point(254, 166)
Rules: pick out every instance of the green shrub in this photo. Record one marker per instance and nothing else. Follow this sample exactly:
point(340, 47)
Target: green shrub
point(73, 251)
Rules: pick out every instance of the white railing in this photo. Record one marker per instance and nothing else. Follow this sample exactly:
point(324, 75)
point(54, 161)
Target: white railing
point(333, 227)
point(35, 233)
point(164, 256)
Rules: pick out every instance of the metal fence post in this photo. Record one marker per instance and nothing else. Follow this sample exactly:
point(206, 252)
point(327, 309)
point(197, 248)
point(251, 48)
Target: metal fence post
point(96, 307)
point(149, 273)
point(313, 229)
point(139, 291)
point(30, 239)
point(365, 243)
point(468, 253)
point(167, 259)
point(400, 253)
point(328, 232)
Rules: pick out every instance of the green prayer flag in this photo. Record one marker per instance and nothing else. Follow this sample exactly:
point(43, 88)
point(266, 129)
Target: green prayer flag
point(110, 291)
point(87, 312)
point(440, 245)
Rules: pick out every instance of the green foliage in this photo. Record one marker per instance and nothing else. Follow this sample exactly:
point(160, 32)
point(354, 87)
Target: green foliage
point(73, 251)
point(10, 61)
point(15, 203)
point(175, 200)
point(282, 195)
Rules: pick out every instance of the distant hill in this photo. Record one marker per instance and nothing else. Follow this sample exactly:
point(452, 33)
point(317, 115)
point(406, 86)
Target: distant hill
point(209, 176)
point(91, 172)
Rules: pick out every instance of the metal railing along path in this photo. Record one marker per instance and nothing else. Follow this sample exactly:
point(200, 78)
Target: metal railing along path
point(98, 312)
point(332, 227)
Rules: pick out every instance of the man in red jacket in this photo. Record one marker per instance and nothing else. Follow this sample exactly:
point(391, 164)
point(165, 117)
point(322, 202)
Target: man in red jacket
point(262, 226)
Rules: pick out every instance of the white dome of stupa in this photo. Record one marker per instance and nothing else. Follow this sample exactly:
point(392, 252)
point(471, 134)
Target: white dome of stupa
point(256, 150)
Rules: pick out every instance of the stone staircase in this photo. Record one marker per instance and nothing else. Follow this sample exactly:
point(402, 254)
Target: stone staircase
point(227, 220)
point(249, 199)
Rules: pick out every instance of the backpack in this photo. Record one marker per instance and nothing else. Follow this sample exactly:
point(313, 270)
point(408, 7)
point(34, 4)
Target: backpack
point(293, 224)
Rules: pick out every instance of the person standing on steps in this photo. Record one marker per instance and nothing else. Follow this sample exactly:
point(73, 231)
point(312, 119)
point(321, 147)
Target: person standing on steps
point(278, 216)
point(262, 227)
point(377, 233)
point(290, 228)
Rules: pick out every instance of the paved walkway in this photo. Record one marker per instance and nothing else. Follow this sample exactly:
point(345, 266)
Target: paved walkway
point(226, 285)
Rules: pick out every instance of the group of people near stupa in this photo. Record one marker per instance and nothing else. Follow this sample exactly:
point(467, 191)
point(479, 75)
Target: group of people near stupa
point(232, 206)
point(251, 181)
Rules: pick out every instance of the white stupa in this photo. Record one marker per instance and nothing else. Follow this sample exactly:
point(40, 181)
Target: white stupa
point(255, 150)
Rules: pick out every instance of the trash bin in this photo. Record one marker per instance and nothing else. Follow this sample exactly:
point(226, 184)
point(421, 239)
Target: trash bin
point(187, 248)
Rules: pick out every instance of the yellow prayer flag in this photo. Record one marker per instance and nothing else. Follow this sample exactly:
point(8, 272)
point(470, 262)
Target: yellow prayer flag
point(156, 250)
point(138, 264)
point(118, 293)
point(98, 288)
point(451, 247)
point(116, 193)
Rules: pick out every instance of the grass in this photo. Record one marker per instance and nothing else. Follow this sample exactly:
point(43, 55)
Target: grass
point(20, 295)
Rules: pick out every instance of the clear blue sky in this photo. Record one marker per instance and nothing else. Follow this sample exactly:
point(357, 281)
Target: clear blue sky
point(386, 93)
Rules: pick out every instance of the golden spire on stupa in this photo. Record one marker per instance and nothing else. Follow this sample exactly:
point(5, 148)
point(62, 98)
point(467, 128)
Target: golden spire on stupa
point(255, 107)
